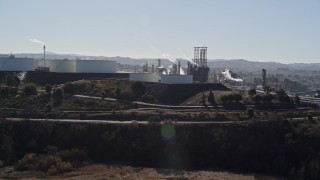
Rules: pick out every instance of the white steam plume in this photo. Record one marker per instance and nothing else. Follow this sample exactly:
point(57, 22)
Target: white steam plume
point(182, 71)
point(170, 58)
point(227, 75)
point(185, 57)
point(36, 41)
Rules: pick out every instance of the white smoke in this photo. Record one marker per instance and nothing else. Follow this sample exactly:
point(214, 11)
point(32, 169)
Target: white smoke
point(185, 57)
point(22, 75)
point(170, 70)
point(36, 41)
point(170, 58)
point(182, 72)
point(227, 75)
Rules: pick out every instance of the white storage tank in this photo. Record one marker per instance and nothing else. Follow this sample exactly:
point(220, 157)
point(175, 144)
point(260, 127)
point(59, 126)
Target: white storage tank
point(176, 79)
point(96, 66)
point(12, 63)
point(145, 77)
point(61, 65)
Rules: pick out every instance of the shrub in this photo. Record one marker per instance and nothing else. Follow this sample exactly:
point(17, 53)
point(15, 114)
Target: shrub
point(69, 89)
point(250, 112)
point(28, 162)
point(267, 98)
point(211, 98)
point(1, 164)
point(58, 94)
point(296, 99)
point(29, 89)
point(48, 88)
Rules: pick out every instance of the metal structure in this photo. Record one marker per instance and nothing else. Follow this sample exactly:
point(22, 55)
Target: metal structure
point(200, 56)
point(264, 77)
point(44, 56)
point(199, 68)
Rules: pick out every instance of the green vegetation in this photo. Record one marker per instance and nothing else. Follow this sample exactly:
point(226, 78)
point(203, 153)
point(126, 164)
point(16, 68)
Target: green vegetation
point(53, 162)
point(29, 89)
point(211, 98)
point(48, 88)
point(276, 147)
point(282, 96)
point(69, 89)
point(250, 112)
point(231, 98)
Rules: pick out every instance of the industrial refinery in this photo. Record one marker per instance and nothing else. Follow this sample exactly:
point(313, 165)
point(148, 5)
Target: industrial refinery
point(196, 71)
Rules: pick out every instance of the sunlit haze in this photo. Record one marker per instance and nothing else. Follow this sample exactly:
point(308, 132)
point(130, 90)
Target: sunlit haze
point(286, 31)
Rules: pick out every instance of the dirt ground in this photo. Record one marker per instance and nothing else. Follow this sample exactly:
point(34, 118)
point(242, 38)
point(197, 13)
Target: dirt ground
point(131, 173)
point(127, 172)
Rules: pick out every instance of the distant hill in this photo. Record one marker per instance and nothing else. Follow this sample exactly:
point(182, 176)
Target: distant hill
point(235, 64)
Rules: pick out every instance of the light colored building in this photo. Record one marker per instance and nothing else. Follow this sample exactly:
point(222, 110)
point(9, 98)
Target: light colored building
point(162, 78)
point(176, 79)
point(63, 66)
point(80, 66)
point(145, 77)
point(96, 66)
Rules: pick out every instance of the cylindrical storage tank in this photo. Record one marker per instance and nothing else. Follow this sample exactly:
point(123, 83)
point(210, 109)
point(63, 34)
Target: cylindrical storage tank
point(16, 64)
point(61, 65)
point(176, 79)
point(145, 77)
point(96, 66)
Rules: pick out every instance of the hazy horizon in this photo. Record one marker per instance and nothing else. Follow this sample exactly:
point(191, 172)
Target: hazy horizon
point(277, 31)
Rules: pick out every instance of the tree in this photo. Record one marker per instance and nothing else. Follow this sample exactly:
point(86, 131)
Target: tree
point(58, 94)
point(250, 112)
point(252, 92)
point(267, 98)
point(29, 89)
point(11, 80)
point(69, 89)
point(282, 96)
point(48, 88)
point(138, 88)
point(211, 98)
point(203, 99)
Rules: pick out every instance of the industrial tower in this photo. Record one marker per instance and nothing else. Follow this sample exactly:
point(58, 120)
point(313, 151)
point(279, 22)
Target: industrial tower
point(199, 68)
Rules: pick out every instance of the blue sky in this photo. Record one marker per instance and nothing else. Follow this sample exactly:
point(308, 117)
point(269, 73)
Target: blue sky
point(285, 31)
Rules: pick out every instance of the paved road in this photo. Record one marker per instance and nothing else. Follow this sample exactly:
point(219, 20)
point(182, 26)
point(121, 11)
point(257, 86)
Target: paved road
point(126, 122)
point(134, 122)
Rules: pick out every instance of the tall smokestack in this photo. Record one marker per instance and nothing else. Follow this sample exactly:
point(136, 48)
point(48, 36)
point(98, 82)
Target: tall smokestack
point(264, 77)
point(44, 56)
point(179, 66)
point(159, 62)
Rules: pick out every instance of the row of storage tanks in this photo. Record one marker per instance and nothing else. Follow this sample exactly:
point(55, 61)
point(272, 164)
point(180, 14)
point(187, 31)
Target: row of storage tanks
point(66, 66)
point(87, 66)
